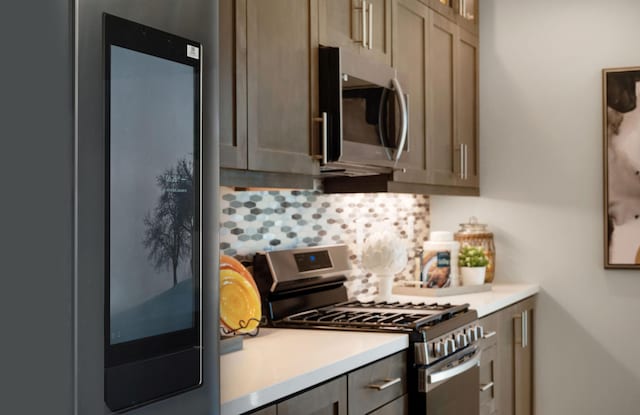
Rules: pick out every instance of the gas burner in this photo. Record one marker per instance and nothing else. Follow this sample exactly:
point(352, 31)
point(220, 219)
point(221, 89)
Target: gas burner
point(374, 316)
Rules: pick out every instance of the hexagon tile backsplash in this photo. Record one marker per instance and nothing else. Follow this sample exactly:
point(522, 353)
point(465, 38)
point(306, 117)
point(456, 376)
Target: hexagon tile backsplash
point(254, 221)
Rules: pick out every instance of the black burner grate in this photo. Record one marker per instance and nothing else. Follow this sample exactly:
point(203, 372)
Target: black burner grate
point(378, 316)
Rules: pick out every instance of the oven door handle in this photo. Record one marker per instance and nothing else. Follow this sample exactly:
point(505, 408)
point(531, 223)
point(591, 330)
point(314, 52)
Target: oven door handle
point(405, 118)
point(447, 374)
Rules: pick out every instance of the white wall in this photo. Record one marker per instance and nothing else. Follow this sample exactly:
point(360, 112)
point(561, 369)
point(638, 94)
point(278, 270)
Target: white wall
point(541, 186)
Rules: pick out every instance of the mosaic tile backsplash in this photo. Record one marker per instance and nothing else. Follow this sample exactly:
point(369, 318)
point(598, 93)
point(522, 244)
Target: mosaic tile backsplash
point(254, 221)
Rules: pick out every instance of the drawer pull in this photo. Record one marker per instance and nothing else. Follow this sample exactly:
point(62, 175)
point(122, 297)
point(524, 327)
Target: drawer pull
point(486, 387)
point(489, 335)
point(385, 385)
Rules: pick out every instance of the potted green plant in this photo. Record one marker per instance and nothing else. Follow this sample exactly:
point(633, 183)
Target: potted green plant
point(473, 265)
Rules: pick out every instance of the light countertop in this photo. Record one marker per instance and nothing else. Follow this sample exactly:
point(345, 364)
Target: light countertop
point(485, 303)
point(280, 362)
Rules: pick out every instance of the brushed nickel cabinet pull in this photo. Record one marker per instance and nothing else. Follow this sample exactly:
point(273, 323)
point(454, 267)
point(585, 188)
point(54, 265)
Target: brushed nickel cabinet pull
point(370, 43)
point(486, 387)
point(462, 161)
point(466, 162)
point(386, 383)
point(324, 121)
point(525, 335)
point(489, 335)
point(363, 23)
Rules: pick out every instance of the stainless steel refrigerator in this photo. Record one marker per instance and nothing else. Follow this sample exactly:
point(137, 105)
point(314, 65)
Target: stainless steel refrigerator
point(191, 19)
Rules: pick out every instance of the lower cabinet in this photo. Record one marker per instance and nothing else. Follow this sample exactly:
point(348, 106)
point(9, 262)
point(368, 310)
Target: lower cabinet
point(506, 368)
point(398, 406)
point(266, 411)
point(489, 365)
point(375, 385)
point(327, 399)
point(379, 388)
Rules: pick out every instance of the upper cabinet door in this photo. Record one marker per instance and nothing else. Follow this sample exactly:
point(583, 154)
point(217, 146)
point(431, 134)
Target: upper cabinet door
point(467, 14)
point(280, 76)
point(444, 154)
point(410, 34)
point(378, 28)
point(467, 107)
point(340, 24)
point(233, 83)
point(360, 26)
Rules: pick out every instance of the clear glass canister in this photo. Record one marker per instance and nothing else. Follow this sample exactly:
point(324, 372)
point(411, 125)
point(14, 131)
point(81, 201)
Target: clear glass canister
point(477, 234)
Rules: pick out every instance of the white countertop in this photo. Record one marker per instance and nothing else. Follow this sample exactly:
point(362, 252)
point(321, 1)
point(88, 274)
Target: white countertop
point(281, 362)
point(485, 303)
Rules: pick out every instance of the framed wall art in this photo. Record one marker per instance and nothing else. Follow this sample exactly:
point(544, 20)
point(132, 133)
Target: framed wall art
point(621, 154)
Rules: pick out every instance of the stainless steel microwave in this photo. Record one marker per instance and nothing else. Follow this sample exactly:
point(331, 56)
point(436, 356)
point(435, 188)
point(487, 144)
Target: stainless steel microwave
point(364, 114)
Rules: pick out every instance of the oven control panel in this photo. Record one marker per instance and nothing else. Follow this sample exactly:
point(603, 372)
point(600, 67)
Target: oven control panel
point(429, 352)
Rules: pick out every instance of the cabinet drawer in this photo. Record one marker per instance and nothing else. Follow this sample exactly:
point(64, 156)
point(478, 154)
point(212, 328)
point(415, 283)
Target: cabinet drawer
point(398, 407)
point(490, 325)
point(367, 387)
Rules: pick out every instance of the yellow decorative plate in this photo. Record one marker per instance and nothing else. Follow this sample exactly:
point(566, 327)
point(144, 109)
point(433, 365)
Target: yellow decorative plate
point(239, 300)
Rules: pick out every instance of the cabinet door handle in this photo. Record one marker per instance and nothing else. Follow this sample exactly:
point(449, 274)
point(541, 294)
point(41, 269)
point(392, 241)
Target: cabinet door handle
point(370, 43)
point(486, 387)
point(523, 317)
point(462, 161)
point(466, 162)
point(386, 383)
point(325, 132)
point(364, 23)
point(489, 335)
point(525, 334)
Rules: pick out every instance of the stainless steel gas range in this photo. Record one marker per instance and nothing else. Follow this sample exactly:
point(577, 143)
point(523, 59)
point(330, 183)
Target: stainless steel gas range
point(304, 288)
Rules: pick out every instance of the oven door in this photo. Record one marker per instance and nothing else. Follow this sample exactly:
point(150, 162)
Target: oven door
point(451, 386)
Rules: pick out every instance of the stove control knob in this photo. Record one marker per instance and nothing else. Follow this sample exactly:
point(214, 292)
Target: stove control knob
point(452, 345)
point(437, 349)
point(444, 348)
point(462, 340)
point(471, 335)
point(479, 332)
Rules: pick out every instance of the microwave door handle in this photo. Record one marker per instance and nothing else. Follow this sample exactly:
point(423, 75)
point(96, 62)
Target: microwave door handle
point(405, 118)
point(381, 132)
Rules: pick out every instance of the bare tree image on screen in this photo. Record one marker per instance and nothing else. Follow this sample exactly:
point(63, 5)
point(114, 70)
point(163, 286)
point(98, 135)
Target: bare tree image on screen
point(169, 229)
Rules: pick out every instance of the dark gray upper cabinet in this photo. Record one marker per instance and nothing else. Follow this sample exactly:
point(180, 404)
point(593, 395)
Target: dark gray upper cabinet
point(410, 36)
point(359, 26)
point(448, 128)
point(268, 88)
point(463, 13)
point(467, 108)
point(233, 84)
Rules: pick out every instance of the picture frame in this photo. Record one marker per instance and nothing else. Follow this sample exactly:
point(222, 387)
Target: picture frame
point(621, 161)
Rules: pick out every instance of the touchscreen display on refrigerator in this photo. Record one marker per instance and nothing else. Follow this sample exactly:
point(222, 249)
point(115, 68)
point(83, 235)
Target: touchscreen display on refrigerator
point(152, 195)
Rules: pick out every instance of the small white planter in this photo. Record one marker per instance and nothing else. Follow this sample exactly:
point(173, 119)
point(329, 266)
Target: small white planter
point(473, 275)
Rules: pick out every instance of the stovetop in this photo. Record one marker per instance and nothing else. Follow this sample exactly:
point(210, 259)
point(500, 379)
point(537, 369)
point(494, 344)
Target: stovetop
point(380, 316)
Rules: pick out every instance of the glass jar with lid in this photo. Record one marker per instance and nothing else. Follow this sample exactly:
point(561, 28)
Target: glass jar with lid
point(477, 234)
